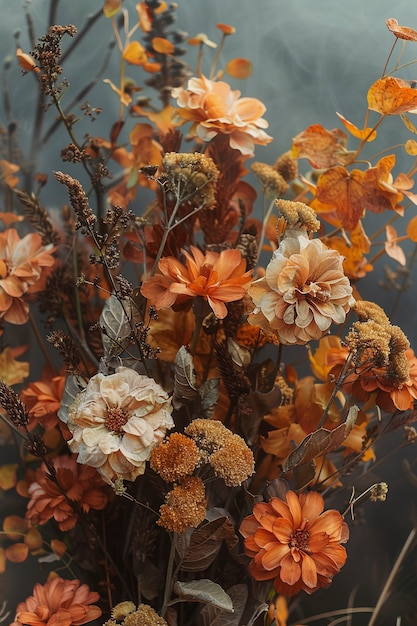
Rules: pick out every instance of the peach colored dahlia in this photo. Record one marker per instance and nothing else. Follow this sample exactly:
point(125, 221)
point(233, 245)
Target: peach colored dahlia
point(295, 542)
point(304, 291)
point(214, 108)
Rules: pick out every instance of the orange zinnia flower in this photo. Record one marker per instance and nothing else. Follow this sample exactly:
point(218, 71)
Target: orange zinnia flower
point(214, 108)
point(216, 277)
point(80, 484)
point(42, 400)
point(295, 542)
point(22, 264)
point(59, 601)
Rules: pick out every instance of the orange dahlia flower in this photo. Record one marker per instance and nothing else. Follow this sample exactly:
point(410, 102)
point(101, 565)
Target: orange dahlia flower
point(22, 264)
point(216, 277)
point(295, 542)
point(42, 400)
point(59, 601)
point(80, 484)
point(214, 108)
point(304, 291)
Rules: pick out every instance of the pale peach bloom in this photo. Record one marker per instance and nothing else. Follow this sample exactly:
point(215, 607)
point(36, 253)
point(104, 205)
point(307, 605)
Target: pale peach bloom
point(295, 542)
point(23, 262)
point(304, 291)
point(58, 602)
point(79, 484)
point(116, 421)
point(216, 277)
point(214, 108)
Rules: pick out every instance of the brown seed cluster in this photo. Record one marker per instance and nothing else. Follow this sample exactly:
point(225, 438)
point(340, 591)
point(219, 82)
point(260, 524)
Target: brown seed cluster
point(273, 184)
point(175, 458)
point(126, 614)
point(192, 177)
point(298, 215)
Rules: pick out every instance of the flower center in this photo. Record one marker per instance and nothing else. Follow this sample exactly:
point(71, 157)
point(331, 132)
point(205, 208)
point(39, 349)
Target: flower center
point(299, 539)
point(116, 418)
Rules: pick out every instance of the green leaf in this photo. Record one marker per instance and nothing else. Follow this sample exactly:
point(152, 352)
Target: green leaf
point(204, 591)
point(213, 616)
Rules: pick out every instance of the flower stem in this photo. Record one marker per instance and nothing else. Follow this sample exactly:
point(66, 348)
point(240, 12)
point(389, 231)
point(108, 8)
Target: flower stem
point(169, 576)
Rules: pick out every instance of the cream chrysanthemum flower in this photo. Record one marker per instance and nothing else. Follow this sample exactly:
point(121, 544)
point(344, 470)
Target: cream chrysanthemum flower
point(116, 421)
point(304, 291)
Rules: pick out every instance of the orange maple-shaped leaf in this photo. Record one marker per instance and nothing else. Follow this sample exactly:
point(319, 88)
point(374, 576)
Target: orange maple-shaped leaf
point(412, 229)
point(239, 68)
point(391, 96)
point(379, 192)
point(365, 133)
point(162, 45)
point(401, 32)
point(355, 264)
point(8, 476)
point(344, 190)
point(17, 553)
point(135, 53)
point(323, 148)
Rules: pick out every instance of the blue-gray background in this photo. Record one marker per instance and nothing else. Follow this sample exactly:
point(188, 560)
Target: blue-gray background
point(311, 59)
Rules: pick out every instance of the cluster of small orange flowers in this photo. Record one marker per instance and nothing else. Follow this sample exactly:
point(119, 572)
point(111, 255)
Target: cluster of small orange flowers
point(127, 614)
point(383, 362)
point(234, 461)
point(227, 453)
point(185, 505)
point(175, 458)
point(298, 215)
point(273, 184)
point(192, 177)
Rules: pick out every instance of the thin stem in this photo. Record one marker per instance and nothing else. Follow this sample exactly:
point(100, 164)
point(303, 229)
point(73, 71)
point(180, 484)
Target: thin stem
point(346, 612)
point(386, 589)
point(337, 386)
point(41, 343)
point(169, 576)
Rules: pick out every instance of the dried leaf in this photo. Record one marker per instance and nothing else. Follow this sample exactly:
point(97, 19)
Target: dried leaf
point(135, 53)
point(323, 148)
point(392, 248)
point(241, 357)
point(402, 32)
point(213, 616)
point(185, 379)
point(17, 553)
point(8, 476)
point(391, 96)
point(365, 133)
point(342, 189)
point(73, 386)
point(112, 7)
point(408, 124)
point(162, 45)
point(14, 526)
point(209, 395)
point(205, 543)
point(116, 320)
point(412, 229)
point(410, 147)
point(33, 539)
point(320, 442)
point(204, 591)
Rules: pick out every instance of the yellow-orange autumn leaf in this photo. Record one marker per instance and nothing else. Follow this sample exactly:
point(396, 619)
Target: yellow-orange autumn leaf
point(343, 190)
point(13, 372)
point(412, 229)
point(7, 173)
point(8, 476)
point(145, 16)
point(379, 191)
point(59, 547)
point(17, 553)
point(124, 97)
point(402, 32)
point(161, 119)
point(392, 96)
point(392, 248)
point(135, 53)
point(323, 148)
point(15, 527)
point(365, 133)
point(26, 62)
point(410, 147)
point(162, 45)
point(33, 539)
point(112, 7)
point(239, 68)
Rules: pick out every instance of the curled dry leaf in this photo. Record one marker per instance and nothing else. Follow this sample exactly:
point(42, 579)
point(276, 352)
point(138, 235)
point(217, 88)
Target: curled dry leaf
point(185, 379)
point(392, 96)
point(323, 148)
point(204, 591)
point(401, 32)
point(320, 442)
point(365, 133)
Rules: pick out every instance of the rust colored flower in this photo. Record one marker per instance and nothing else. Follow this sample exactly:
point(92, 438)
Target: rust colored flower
point(116, 421)
point(304, 291)
point(216, 277)
point(295, 542)
point(214, 108)
point(77, 483)
point(58, 601)
point(22, 264)
point(233, 462)
point(42, 400)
